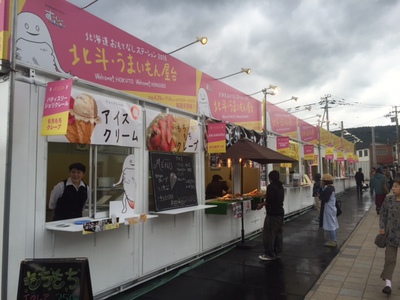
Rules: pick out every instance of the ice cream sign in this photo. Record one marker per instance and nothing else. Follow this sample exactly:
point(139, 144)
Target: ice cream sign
point(97, 119)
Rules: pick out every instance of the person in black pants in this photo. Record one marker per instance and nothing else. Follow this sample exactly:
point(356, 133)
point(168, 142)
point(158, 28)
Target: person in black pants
point(273, 223)
point(359, 177)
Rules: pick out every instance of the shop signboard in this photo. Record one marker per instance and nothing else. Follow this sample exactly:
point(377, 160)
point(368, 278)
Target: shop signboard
point(283, 145)
point(281, 122)
point(173, 181)
point(325, 137)
point(308, 132)
point(337, 142)
point(350, 157)
point(329, 155)
point(340, 156)
point(216, 142)
point(73, 42)
point(309, 152)
point(101, 120)
point(56, 107)
point(55, 278)
point(171, 133)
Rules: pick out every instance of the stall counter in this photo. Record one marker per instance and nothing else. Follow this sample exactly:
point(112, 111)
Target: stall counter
point(222, 205)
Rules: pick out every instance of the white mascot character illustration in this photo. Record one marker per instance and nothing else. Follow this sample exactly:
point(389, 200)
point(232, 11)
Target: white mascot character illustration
point(34, 44)
point(129, 182)
point(203, 103)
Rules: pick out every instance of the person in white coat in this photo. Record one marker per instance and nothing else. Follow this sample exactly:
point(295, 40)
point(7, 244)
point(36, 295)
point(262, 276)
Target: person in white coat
point(328, 207)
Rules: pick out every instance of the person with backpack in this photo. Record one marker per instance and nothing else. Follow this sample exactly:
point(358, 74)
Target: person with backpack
point(69, 197)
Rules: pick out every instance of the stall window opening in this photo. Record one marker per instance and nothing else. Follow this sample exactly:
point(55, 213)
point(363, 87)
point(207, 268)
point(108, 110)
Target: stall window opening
point(103, 168)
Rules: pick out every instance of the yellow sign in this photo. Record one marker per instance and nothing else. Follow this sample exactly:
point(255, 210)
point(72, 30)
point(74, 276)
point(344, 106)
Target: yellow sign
point(55, 124)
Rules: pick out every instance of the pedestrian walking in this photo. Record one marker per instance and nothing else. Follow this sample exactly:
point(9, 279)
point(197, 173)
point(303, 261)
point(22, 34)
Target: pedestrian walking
point(388, 175)
point(390, 226)
point(377, 185)
point(371, 175)
point(328, 207)
point(359, 177)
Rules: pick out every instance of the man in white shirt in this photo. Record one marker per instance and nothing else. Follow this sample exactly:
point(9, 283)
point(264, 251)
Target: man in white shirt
point(69, 197)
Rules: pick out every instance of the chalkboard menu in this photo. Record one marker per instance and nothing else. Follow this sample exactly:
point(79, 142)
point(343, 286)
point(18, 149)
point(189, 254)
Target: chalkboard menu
point(55, 278)
point(173, 181)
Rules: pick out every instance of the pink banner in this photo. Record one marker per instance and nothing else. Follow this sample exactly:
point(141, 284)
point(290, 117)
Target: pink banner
point(74, 42)
point(308, 152)
point(222, 102)
point(216, 137)
point(57, 97)
point(308, 132)
point(281, 122)
point(56, 107)
point(282, 143)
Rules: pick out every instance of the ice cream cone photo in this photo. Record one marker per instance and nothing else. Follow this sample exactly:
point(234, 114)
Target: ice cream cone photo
point(83, 117)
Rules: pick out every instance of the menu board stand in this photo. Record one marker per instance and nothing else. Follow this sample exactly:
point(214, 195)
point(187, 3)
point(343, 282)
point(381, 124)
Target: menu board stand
point(55, 278)
point(173, 181)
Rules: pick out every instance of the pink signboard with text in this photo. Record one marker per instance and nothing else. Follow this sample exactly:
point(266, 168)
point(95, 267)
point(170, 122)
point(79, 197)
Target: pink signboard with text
point(56, 107)
point(216, 142)
point(283, 145)
point(281, 122)
point(60, 37)
point(308, 132)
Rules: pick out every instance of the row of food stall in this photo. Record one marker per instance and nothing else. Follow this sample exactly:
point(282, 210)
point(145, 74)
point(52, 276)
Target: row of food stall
point(144, 132)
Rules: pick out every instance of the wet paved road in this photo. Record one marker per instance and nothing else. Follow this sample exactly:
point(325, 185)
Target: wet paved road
point(239, 274)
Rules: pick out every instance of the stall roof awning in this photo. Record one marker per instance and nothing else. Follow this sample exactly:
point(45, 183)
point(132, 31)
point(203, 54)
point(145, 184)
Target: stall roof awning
point(246, 149)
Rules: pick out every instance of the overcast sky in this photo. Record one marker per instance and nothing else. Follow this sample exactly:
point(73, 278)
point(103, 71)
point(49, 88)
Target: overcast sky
point(347, 49)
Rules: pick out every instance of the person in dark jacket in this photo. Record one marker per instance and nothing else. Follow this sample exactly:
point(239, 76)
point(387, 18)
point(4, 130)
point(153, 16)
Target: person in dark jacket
point(359, 177)
point(376, 185)
point(69, 197)
point(389, 225)
point(273, 223)
point(216, 188)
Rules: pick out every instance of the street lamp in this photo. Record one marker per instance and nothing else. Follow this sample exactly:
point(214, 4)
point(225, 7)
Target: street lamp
point(271, 90)
point(203, 40)
point(316, 116)
point(293, 98)
point(89, 4)
point(242, 70)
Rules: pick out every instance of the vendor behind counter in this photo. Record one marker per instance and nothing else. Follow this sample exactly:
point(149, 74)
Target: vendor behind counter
point(217, 187)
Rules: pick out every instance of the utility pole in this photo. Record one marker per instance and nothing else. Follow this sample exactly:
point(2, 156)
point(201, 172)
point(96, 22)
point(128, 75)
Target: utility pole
point(326, 109)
